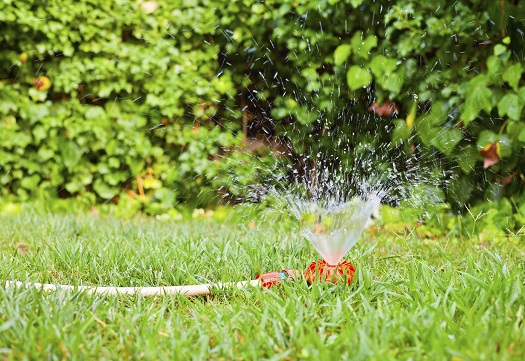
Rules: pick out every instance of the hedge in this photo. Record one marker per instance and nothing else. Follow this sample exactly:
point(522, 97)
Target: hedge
point(161, 102)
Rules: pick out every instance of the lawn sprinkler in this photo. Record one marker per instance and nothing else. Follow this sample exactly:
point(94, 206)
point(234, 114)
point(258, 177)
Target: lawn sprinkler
point(321, 271)
point(333, 228)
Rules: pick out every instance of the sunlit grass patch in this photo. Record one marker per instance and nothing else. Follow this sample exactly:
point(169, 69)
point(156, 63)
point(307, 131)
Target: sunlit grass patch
point(411, 298)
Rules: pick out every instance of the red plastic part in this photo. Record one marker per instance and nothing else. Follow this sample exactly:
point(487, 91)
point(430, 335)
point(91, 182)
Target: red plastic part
point(274, 278)
point(321, 271)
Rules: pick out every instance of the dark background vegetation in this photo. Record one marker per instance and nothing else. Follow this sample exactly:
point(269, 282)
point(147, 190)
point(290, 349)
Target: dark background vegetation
point(155, 104)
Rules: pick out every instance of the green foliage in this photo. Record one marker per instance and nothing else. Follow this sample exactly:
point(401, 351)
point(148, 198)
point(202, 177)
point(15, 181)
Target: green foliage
point(125, 101)
point(134, 108)
point(454, 69)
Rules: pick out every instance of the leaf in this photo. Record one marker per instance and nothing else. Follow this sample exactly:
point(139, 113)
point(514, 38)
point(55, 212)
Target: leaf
point(425, 130)
point(499, 49)
point(512, 75)
point(152, 183)
point(358, 77)
point(521, 137)
point(505, 146)
point(438, 113)
point(95, 112)
point(446, 139)
point(411, 115)
point(521, 93)
point(361, 46)
point(393, 82)
point(136, 165)
point(480, 99)
point(341, 53)
point(485, 138)
point(385, 109)
point(71, 154)
point(356, 3)
point(505, 181)
point(381, 66)
point(104, 190)
point(224, 84)
point(165, 196)
point(467, 158)
point(495, 67)
point(490, 155)
point(39, 133)
point(511, 105)
point(30, 182)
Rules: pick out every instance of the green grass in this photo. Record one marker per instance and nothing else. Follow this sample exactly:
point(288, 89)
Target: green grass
point(412, 299)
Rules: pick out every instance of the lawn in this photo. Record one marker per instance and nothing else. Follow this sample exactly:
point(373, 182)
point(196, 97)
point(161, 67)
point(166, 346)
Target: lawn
point(412, 298)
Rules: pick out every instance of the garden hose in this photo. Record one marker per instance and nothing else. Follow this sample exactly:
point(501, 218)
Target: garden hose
point(319, 271)
point(265, 280)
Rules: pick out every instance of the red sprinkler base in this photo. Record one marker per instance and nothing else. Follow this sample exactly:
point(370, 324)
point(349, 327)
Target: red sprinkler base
point(321, 271)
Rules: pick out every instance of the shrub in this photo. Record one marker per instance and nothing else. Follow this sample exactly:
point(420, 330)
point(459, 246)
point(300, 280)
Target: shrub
point(156, 100)
point(113, 99)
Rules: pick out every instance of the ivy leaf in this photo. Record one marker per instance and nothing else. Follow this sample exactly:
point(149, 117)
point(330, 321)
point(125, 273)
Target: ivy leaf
point(521, 94)
point(511, 105)
point(512, 75)
point(425, 130)
point(358, 77)
point(356, 3)
point(361, 46)
point(95, 112)
point(505, 145)
point(224, 84)
point(521, 137)
point(136, 165)
point(165, 196)
point(479, 99)
point(381, 66)
point(71, 155)
point(494, 67)
point(393, 82)
point(485, 138)
point(385, 109)
point(30, 182)
point(499, 49)
point(104, 190)
point(342, 53)
point(467, 158)
point(446, 139)
point(411, 117)
point(490, 155)
point(42, 83)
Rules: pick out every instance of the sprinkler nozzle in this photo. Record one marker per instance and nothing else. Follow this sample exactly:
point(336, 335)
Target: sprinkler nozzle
point(274, 278)
point(321, 271)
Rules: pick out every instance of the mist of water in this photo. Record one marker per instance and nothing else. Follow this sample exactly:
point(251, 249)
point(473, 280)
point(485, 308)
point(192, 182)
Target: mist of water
point(333, 228)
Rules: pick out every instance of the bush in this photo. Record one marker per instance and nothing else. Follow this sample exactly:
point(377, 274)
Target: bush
point(115, 97)
point(108, 98)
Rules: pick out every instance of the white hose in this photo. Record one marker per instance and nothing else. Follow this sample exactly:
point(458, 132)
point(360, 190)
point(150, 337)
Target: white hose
point(190, 290)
